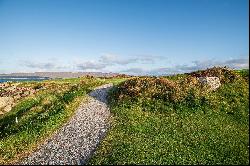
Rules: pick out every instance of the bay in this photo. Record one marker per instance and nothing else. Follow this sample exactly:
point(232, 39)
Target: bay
point(21, 79)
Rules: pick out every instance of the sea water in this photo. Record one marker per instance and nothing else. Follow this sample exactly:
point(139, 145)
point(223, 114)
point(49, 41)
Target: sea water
point(15, 79)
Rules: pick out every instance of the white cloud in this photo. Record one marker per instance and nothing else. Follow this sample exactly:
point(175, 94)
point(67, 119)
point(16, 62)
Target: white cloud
point(47, 65)
point(115, 59)
point(108, 60)
point(91, 65)
point(136, 65)
point(135, 71)
point(239, 63)
point(111, 59)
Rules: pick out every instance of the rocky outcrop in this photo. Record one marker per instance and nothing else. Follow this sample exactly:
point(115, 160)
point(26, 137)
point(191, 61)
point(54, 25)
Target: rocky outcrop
point(212, 82)
point(10, 94)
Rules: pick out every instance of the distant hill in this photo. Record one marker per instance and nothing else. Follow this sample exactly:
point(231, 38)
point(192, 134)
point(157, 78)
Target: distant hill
point(60, 74)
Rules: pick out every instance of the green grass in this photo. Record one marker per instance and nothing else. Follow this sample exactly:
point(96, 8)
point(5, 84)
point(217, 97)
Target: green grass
point(244, 73)
point(154, 121)
point(212, 129)
point(41, 115)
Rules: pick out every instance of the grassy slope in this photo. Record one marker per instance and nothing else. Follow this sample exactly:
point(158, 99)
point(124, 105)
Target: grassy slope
point(41, 115)
point(153, 132)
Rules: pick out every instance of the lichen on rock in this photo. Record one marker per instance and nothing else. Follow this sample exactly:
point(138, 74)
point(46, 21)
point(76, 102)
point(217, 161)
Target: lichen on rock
point(212, 82)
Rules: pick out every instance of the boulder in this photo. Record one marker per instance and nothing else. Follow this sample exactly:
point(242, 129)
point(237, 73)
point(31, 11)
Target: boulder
point(212, 82)
point(6, 103)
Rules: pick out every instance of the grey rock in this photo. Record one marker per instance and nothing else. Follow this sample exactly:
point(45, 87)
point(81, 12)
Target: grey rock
point(6, 103)
point(212, 82)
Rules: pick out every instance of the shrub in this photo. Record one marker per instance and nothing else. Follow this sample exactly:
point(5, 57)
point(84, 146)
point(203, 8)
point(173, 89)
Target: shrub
point(38, 86)
point(184, 92)
point(158, 88)
point(223, 73)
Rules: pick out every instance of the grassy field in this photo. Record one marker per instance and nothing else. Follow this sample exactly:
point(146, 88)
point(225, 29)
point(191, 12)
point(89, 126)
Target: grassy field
point(155, 120)
point(42, 114)
point(175, 120)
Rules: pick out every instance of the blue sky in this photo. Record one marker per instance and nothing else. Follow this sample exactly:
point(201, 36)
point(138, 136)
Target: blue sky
point(126, 36)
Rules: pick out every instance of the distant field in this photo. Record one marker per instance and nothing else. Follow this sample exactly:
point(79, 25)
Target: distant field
point(174, 120)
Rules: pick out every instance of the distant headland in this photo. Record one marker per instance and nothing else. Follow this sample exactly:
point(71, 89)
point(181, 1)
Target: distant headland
point(53, 75)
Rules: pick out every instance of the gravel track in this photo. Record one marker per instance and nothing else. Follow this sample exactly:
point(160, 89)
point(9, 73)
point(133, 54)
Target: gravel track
point(76, 141)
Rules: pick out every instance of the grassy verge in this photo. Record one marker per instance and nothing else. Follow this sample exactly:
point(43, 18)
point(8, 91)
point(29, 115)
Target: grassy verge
point(36, 117)
point(178, 126)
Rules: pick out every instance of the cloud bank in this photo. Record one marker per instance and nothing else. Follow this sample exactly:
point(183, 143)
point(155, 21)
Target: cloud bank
point(107, 61)
point(35, 65)
point(240, 63)
point(91, 65)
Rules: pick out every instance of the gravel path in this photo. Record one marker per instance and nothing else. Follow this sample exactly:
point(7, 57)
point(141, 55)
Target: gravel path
point(76, 141)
